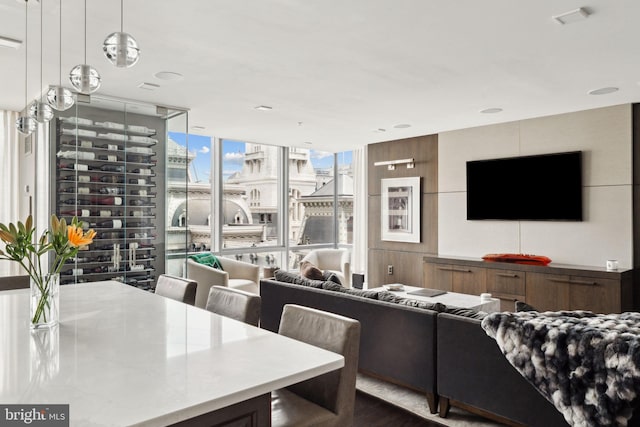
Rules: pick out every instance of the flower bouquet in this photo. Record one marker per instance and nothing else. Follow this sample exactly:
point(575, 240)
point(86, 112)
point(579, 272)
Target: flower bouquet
point(63, 240)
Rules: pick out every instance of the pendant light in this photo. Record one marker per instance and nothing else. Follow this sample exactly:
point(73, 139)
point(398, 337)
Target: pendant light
point(25, 124)
point(120, 48)
point(39, 110)
point(84, 78)
point(59, 97)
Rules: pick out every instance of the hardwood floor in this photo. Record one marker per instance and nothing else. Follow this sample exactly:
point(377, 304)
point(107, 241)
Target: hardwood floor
point(373, 412)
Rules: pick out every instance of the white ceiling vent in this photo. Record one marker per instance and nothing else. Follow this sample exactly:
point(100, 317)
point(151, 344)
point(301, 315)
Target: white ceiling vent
point(576, 15)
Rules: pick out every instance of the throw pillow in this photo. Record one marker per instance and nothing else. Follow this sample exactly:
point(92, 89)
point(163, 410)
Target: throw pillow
point(523, 306)
point(208, 259)
point(329, 276)
point(310, 271)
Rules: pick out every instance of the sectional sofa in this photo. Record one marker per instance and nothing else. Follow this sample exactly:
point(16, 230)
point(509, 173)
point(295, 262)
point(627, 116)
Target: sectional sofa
point(438, 350)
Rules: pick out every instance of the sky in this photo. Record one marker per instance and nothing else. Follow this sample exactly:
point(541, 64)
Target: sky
point(233, 156)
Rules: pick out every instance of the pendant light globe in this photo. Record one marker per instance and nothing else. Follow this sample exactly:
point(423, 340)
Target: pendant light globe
point(121, 49)
point(25, 125)
point(41, 112)
point(60, 98)
point(85, 79)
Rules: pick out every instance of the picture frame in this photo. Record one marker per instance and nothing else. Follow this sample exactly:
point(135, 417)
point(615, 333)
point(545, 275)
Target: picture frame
point(400, 209)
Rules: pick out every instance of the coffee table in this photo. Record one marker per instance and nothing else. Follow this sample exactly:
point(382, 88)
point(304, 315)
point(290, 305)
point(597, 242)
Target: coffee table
point(453, 299)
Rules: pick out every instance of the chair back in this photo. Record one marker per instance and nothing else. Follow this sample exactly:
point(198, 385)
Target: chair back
point(177, 288)
point(335, 390)
point(234, 303)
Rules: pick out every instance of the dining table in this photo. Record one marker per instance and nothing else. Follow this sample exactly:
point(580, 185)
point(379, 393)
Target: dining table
point(123, 356)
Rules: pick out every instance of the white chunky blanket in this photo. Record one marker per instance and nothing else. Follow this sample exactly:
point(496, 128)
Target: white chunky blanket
point(587, 365)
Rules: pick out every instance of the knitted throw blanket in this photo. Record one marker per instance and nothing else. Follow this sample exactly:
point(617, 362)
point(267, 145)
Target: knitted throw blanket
point(587, 365)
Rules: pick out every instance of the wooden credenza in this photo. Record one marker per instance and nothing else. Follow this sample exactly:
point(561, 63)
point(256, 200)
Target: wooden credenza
point(547, 288)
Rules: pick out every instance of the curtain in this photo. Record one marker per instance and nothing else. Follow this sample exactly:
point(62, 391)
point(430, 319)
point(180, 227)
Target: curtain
point(360, 247)
point(10, 149)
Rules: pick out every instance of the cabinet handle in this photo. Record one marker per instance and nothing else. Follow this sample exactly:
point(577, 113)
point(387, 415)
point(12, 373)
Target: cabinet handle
point(462, 270)
point(514, 276)
point(575, 282)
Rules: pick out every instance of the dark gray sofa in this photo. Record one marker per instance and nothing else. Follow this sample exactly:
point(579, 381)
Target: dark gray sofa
point(397, 342)
point(474, 375)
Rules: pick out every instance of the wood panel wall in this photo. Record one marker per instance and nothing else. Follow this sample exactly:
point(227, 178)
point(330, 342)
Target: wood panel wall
point(406, 258)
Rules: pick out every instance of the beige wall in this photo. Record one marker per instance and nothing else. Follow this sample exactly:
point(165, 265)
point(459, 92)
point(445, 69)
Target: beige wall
point(604, 136)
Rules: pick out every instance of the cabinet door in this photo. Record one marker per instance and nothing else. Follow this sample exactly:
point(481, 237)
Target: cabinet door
point(594, 294)
point(469, 280)
point(437, 276)
point(547, 292)
point(506, 285)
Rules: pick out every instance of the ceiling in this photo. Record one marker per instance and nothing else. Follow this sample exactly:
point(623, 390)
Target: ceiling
point(336, 71)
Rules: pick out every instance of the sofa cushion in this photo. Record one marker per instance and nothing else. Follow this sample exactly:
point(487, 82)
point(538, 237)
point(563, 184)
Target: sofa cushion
point(208, 259)
point(295, 278)
point(390, 297)
point(330, 276)
point(465, 312)
point(523, 306)
point(360, 293)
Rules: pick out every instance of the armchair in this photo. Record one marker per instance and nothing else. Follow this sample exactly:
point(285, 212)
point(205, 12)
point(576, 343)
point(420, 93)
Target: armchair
point(335, 260)
point(235, 274)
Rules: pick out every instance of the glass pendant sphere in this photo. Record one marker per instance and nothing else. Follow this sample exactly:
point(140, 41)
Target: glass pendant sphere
point(85, 79)
point(121, 49)
point(40, 112)
point(60, 98)
point(25, 125)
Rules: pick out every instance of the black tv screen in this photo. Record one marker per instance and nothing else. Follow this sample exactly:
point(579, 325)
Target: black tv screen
point(544, 187)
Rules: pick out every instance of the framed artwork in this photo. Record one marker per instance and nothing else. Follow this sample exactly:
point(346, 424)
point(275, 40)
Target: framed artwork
point(400, 219)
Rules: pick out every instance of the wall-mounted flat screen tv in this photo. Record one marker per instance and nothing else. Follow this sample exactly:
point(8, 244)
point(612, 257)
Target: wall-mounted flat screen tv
point(544, 187)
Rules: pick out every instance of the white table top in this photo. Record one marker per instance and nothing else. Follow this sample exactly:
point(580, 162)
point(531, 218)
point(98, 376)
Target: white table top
point(452, 299)
point(122, 356)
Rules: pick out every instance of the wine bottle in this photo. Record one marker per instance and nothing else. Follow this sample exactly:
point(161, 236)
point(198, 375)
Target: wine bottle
point(77, 212)
point(75, 202)
point(137, 202)
point(138, 192)
point(108, 158)
point(111, 190)
point(112, 168)
point(113, 179)
point(116, 223)
point(136, 181)
point(109, 200)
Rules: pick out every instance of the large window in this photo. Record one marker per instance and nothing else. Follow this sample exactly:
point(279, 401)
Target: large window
point(257, 213)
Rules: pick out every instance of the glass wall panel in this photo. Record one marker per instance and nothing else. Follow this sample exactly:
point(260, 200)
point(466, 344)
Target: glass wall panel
point(344, 219)
point(250, 195)
point(179, 157)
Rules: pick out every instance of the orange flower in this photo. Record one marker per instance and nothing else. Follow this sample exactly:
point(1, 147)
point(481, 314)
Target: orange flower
point(76, 236)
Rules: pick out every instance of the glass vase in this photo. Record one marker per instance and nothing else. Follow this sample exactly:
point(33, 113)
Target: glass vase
point(45, 297)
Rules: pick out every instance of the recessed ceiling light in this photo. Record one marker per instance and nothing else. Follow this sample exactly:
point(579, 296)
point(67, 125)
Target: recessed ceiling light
point(491, 110)
point(308, 142)
point(148, 86)
point(603, 91)
point(168, 75)
point(197, 127)
point(379, 130)
point(402, 126)
point(9, 42)
point(575, 15)
point(263, 108)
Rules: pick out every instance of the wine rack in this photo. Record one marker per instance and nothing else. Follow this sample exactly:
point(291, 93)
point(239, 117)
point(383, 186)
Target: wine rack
point(106, 176)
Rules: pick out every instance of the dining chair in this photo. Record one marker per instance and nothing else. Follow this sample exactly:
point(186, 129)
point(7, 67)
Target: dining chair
point(234, 303)
point(329, 399)
point(177, 288)
point(234, 274)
